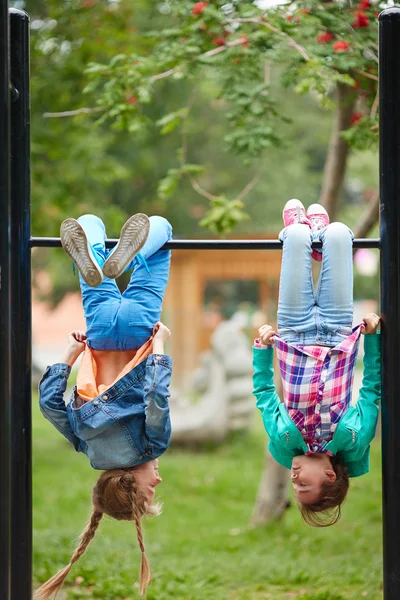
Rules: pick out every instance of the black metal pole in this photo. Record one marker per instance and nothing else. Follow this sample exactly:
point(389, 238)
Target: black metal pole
point(389, 133)
point(43, 242)
point(20, 279)
point(5, 359)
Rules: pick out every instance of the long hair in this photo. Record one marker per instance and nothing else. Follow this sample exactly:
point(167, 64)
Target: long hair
point(327, 510)
point(115, 494)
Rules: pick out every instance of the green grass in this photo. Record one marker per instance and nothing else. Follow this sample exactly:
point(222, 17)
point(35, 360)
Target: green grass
point(200, 547)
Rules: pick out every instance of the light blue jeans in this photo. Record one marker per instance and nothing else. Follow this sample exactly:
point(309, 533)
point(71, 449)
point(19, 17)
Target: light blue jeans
point(116, 321)
point(325, 316)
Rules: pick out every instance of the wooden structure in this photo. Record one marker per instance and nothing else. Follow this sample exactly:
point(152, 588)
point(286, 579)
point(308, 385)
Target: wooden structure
point(191, 270)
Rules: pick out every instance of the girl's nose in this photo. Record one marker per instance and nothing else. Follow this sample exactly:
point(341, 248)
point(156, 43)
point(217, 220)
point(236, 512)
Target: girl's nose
point(159, 479)
point(294, 476)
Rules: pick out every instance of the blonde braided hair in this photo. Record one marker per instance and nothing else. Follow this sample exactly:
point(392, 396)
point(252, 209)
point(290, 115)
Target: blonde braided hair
point(116, 494)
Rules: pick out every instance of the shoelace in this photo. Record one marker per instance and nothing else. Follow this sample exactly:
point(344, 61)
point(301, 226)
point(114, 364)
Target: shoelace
point(143, 260)
point(301, 217)
point(318, 223)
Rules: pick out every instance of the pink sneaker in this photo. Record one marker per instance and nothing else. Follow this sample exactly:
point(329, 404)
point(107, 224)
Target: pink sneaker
point(319, 219)
point(294, 212)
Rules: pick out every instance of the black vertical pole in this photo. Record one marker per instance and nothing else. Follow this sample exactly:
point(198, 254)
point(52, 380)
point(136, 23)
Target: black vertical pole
point(20, 279)
point(389, 132)
point(5, 360)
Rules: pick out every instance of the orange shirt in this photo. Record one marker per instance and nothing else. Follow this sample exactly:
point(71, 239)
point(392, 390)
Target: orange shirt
point(87, 387)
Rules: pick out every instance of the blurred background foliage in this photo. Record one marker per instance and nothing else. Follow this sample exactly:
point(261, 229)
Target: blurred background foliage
point(82, 165)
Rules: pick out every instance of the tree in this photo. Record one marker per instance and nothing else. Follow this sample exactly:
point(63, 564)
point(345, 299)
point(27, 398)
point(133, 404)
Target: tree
point(324, 48)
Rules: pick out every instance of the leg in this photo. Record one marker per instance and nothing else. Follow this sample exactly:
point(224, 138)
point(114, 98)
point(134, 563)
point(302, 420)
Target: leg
point(334, 296)
point(143, 297)
point(296, 304)
point(99, 303)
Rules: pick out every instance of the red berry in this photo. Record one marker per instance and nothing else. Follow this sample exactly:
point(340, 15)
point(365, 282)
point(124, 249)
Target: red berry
point(199, 7)
point(324, 38)
point(341, 46)
point(355, 117)
point(219, 41)
point(364, 4)
point(361, 20)
point(131, 99)
point(245, 40)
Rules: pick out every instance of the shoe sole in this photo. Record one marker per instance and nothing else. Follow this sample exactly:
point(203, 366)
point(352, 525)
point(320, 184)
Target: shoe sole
point(132, 238)
point(76, 245)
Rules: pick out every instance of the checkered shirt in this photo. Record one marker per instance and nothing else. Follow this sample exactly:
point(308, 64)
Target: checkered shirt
point(317, 384)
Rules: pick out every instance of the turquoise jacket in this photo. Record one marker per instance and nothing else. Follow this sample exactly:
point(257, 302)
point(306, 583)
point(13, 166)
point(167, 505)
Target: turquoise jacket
point(355, 430)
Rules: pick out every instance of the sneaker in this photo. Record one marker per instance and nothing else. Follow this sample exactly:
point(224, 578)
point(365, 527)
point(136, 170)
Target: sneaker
point(294, 212)
point(319, 219)
point(132, 238)
point(76, 245)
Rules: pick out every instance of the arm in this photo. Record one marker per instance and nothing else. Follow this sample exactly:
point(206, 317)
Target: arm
point(156, 392)
point(51, 400)
point(370, 393)
point(53, 385)
point(267, 400)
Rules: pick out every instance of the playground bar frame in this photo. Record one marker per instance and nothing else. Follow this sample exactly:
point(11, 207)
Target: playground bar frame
point(5, 304)
point(15, 299)
point(212, 244)
point(389, 159)
point(21, 327)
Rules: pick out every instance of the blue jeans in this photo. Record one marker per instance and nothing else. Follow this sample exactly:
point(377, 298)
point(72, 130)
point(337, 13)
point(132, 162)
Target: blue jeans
point(116, 321)
point(323, 317)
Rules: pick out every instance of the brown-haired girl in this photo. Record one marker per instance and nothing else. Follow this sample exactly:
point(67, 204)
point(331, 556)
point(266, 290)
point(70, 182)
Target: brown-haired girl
point(118, 414)
point(315, 432)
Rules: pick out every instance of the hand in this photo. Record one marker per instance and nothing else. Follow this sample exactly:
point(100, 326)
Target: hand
point(160, 332)
point(266, 333)
point(370, 323)
point(76, 341)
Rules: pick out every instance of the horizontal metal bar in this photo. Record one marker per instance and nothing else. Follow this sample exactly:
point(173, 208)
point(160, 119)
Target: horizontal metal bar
point(41, 242)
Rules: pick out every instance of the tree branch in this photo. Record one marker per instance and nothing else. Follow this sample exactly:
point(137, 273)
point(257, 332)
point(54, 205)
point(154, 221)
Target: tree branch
point(292, 42)
point(165, 74)
point(369, 75)
point(249, 186)
point(73, 113)
point(336, 160)
point(369, 218)
point(375, 106)
point(200, 190)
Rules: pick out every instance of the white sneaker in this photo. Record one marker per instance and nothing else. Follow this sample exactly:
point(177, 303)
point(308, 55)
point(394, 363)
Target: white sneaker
point(132, 238)
point(76, 245)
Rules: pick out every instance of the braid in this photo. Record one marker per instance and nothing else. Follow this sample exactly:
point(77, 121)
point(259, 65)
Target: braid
point(87, 535)
point(116, 494)
point(145, 571)
point(54, 584)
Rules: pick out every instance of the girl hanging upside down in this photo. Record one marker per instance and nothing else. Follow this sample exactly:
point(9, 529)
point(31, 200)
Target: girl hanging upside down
point(315, 432)
point(118, 414)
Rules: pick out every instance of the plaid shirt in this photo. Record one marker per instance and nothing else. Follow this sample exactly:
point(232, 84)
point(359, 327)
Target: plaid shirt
point(317, 383)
